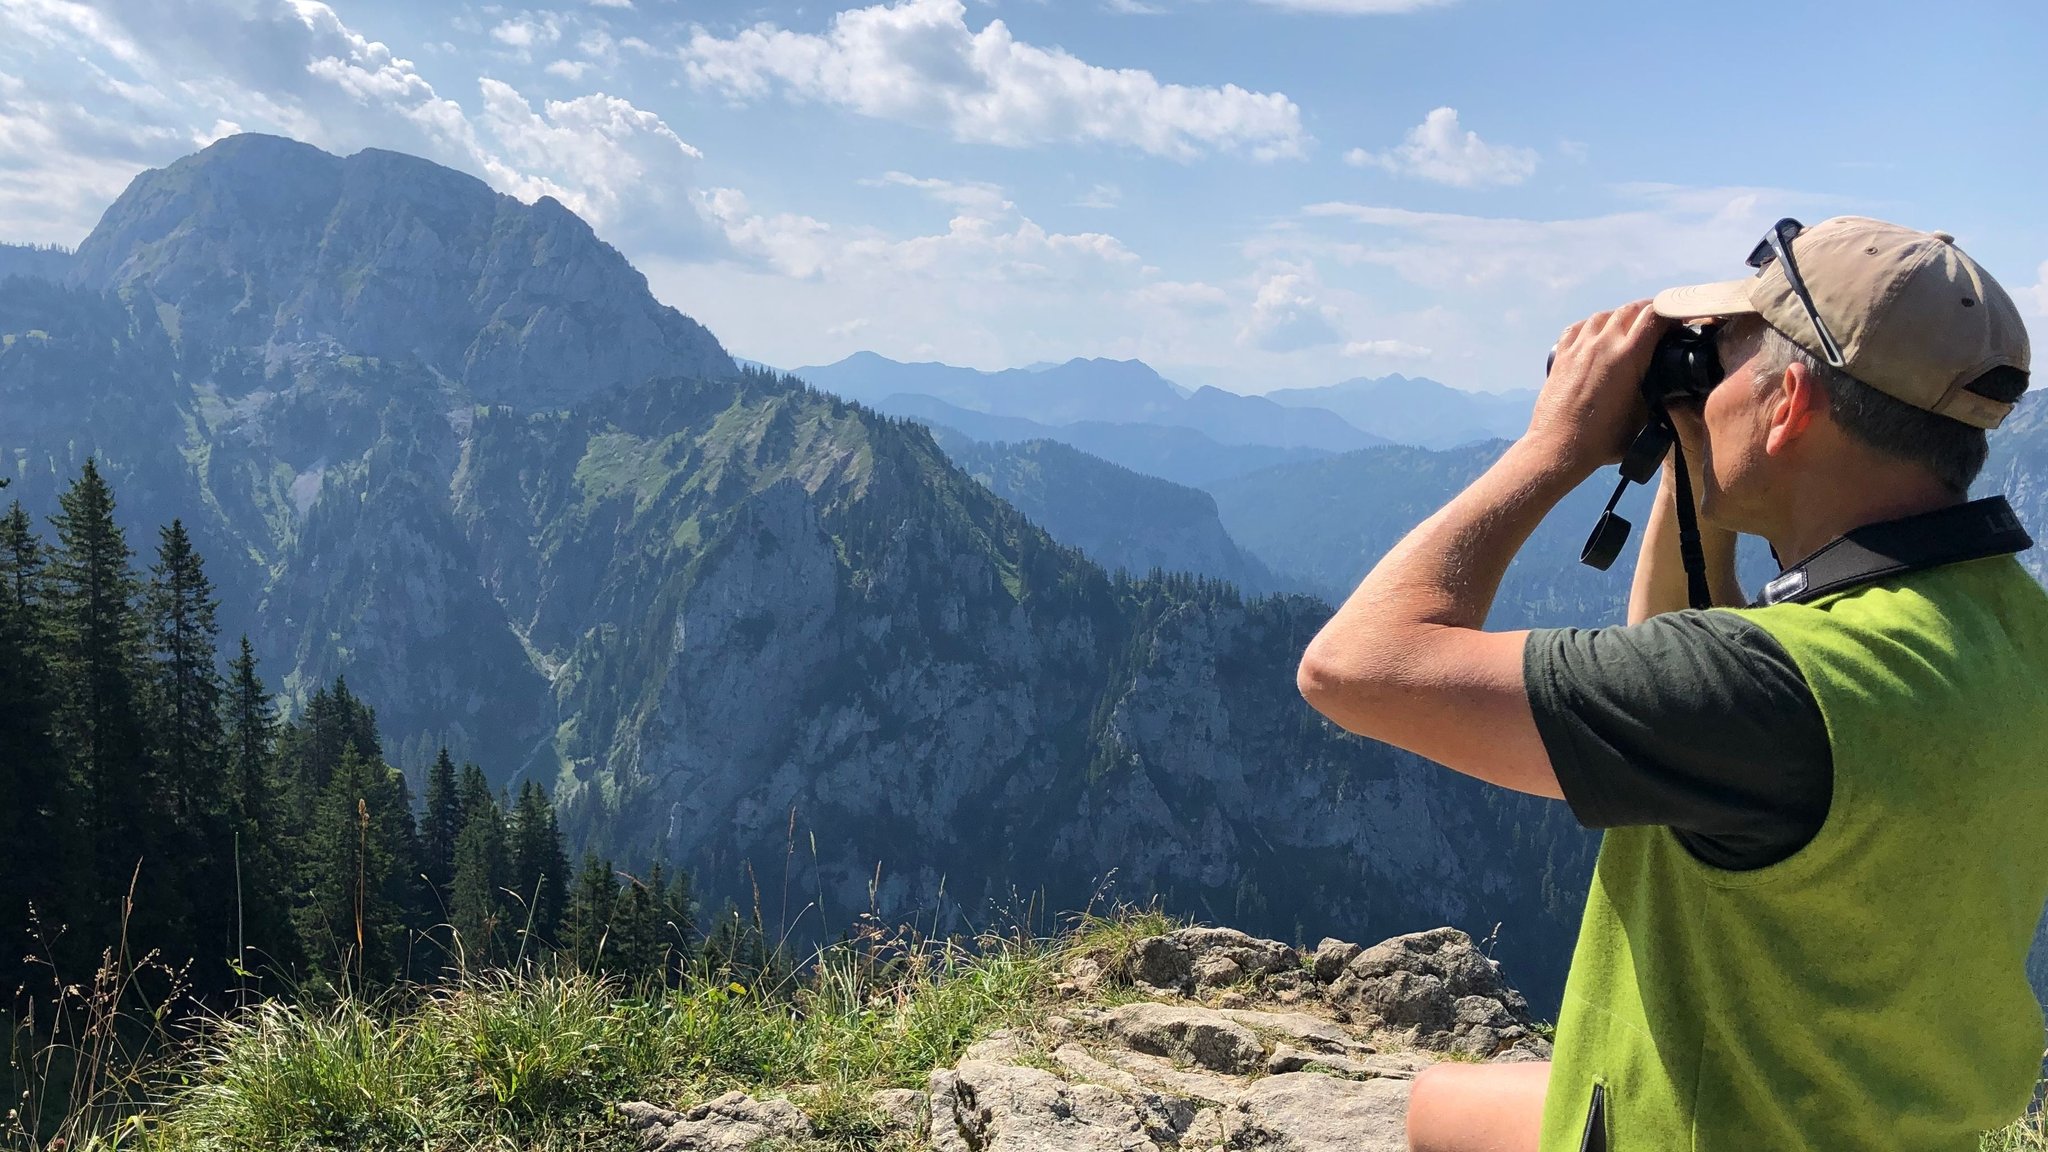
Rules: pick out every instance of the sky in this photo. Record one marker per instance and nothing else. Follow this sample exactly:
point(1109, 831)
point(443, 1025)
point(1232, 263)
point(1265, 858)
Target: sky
point(1250, 194)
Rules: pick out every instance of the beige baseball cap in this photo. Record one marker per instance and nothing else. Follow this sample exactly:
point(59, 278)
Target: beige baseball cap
point(1913, 315)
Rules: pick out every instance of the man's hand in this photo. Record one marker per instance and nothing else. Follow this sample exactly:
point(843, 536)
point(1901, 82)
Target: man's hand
point(1592, 405)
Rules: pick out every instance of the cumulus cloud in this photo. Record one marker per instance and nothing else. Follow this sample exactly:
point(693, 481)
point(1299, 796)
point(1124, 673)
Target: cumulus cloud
point(1287, 316)
point(177, 74)
point(1387, 349)
point(1439, 150)
point(917, 61)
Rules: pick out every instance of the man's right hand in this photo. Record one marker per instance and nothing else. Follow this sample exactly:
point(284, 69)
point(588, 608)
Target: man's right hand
point(1592, 406)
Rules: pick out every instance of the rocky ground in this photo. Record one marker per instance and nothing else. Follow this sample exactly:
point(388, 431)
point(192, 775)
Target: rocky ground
point(1205, 1038)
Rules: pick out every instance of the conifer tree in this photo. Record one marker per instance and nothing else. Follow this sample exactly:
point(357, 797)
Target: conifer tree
point(33, 863)
point(540, 868)
point(358, 854)
point(187, 750)
point(476, 904)
point(188, 684)
point(588, 920)
point(262, 842)
point(636, 932)
point(96, 661)
point(440, 824)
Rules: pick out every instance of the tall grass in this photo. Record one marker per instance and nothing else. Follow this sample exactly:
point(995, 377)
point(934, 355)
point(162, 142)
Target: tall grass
point(537, 1059)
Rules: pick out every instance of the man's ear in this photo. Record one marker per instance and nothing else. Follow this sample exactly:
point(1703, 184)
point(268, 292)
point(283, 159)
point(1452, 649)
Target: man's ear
point(1790, 404)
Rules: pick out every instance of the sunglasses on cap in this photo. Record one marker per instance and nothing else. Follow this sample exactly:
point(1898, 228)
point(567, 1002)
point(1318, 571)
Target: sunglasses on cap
point(1777, 246)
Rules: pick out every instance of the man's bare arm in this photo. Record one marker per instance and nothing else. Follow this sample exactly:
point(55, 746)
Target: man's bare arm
point(1659, 584)
point(1406, 660)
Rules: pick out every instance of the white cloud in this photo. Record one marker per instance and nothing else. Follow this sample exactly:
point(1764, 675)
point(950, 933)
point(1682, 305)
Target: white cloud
point(1101, 196)
point(611, 3)
point(570, 70)
point(2038, 294)
point(1438, 149)
point(1191, 298)
point(592, 153)
point(917, 61)
point(1287, 317)
point(849, 328)
point(1358, 7)
point(1674, 233)
point(1388, 349)
point(528, 30)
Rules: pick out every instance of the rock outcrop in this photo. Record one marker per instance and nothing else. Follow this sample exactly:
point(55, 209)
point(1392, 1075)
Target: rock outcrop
point(1290, 1055)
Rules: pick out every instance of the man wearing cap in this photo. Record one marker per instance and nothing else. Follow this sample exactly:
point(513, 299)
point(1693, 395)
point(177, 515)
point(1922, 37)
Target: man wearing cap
point(1825, 851)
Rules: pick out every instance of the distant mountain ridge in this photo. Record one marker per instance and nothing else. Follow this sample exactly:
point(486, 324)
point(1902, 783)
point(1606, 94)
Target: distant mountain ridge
point(1121, 519)
point(1181, 455)
point(1419, 411)
point(1097, 391)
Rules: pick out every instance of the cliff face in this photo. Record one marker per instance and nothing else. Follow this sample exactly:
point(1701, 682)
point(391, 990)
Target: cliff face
point(260, 242)
point(444, 444)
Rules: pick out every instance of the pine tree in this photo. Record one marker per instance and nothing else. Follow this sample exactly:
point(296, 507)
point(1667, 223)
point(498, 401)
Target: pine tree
point(440, 825)
point(188, 685)
point(96, 662)
point(476, 904)
point(588, 920)
point(540, 867)
point(35, 867)
point(187, 750)
point(262, 841)
point(357, 858)
point(636, 932)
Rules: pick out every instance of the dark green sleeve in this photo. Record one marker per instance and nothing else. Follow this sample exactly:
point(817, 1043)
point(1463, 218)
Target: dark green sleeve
point(1698, 721)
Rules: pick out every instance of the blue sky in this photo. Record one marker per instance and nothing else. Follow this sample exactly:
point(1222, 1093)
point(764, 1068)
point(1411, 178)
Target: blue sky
point(1246, 193)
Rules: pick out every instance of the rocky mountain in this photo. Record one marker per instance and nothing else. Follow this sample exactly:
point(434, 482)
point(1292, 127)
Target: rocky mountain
point(1181, 455)
point(1095, 391)
point(446, 445)
point(271, 245)
point(1419, 411)
point(1122, 520)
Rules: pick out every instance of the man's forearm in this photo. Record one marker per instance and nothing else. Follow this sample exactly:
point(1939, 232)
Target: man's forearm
point(1660, 582)
point(1443, 574)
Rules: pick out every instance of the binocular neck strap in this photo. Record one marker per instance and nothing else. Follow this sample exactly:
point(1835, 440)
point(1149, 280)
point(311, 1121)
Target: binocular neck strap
point(1689, 548)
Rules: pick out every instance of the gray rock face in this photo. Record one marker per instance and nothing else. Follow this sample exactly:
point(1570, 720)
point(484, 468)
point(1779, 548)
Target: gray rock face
point(1437, 983)
point(1304, 1112)
point(734, 1122)
point(1206, 958)
point(984, 1107)
point(263, 242)
point(1192, 1034)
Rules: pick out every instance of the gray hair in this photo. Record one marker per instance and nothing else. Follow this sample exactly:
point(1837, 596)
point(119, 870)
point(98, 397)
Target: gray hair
point(1948, 448)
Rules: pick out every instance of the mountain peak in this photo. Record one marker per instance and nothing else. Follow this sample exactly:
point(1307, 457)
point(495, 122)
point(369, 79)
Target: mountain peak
point(269, 243)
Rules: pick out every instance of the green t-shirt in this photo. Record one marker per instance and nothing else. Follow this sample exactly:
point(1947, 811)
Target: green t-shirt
point(1696, 721)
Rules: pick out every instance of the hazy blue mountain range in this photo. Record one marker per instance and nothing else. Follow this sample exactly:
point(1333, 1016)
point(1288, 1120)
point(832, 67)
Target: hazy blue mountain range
point(1419, 411)
point(1181, 455)
point(1096, 391)
point(447, 445)
point(1323, 524)
point(1123, 520)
